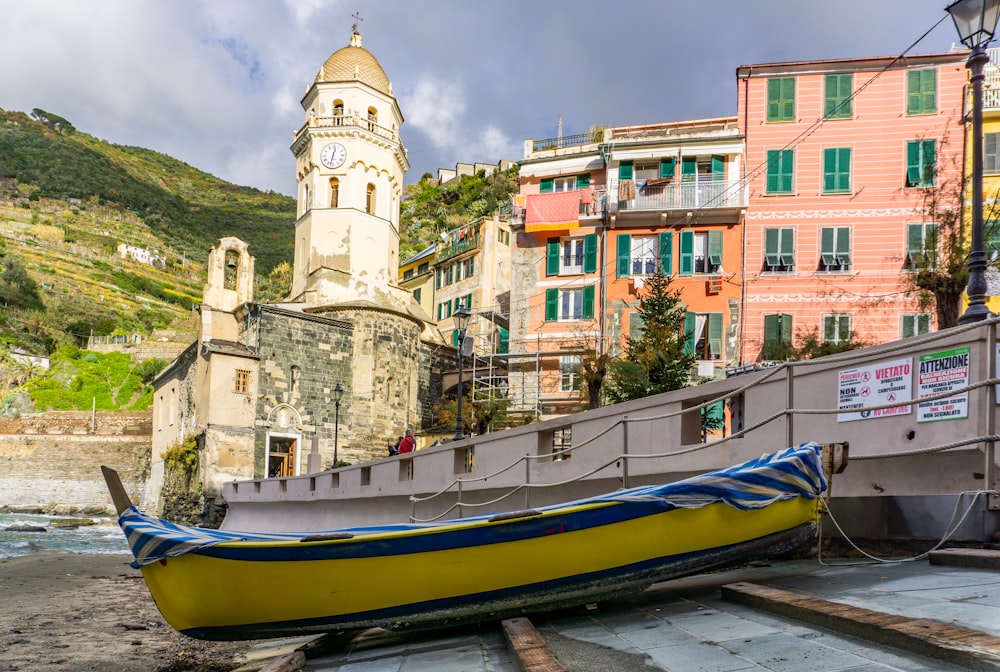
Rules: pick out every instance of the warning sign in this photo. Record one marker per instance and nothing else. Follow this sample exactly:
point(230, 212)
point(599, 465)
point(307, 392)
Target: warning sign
point(874, 385)
point(940, 372)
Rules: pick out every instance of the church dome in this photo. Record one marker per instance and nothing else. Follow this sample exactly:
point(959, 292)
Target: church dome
point(354, 63)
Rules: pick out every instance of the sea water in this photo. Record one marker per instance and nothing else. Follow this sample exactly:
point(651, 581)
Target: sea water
point(103, 537)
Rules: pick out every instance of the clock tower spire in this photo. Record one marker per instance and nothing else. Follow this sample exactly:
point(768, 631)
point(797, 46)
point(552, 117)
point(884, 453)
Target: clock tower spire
point(350, 164)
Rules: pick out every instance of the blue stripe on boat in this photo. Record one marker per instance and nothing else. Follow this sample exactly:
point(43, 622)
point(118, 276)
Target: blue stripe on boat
point(787, 474)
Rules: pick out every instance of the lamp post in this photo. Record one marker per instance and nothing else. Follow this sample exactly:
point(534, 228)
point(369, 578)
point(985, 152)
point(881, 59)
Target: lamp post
point(461, 318)
point(338, 392)
point(976, 21)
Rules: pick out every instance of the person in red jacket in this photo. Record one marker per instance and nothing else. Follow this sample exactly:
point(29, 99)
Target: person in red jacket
point(408, 444)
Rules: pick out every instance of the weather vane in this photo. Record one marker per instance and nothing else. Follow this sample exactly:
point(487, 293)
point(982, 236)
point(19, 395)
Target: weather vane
point(357, 20)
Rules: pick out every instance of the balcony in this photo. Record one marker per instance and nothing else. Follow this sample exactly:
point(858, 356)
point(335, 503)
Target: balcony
point(991, 84)
point(707, 192)
point(457, 247)
point(348, 121)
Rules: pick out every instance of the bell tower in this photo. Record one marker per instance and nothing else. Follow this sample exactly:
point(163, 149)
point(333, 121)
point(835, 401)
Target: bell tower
point(350, 164)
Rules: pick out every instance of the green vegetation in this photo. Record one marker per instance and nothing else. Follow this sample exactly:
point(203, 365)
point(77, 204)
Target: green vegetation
point(80, 381)
point(657, 361)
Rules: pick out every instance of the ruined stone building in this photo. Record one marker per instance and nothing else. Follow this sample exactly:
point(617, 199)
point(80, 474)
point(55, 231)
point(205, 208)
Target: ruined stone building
point(257, 389)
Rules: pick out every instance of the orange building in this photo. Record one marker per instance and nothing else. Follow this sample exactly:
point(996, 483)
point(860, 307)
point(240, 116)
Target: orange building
point(840, 159)
point(601, 212)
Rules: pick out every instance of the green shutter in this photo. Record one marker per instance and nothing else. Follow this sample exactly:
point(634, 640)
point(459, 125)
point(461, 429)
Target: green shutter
point(582, 181)
point(623, 260)
point(921, 91)
point(687, 253)
point(715, 335)
point(788, 247)
point(667, 167)
point(773, 100)
point(780, 164)
point(915, 243)
point(837, 96)
point(843, 245)
point(625, 170)
point(923, 324)
point(715, 248)
point(590, 253)
point(666, 245)
point(588, 303)
point(718, 165)
point(772, 247)
point(503, 342)
point(771, 334)
point(552, 248)
point(546, 186)
point(786, 163)
point(689, 168)
point(827, 250)
point(788, 99)
point(786, 328)
point(551, 304)
point(928, 162)
point(908, 325)
point(844, 329)
point(781, 99)
point(837, 169)
point(913, 164)
point(690, 319)
point(468, 301)
point(829, 328)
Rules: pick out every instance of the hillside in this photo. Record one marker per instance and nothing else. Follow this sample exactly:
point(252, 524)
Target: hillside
point(67, 200)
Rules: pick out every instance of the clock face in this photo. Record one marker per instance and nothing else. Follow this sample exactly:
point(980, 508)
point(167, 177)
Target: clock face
point(333, 155)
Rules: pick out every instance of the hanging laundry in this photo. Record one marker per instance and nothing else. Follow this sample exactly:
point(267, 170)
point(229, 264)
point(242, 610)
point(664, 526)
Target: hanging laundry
point(626, 190)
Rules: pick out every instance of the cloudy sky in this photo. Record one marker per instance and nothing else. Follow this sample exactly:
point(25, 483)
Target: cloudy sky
point(217, 83)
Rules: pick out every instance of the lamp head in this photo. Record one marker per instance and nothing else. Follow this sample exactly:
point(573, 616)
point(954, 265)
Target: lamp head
point(975, 20)
point(461, 317)
point(338, 393)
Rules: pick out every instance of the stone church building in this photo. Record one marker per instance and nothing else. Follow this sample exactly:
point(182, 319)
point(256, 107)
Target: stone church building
point(257, 388)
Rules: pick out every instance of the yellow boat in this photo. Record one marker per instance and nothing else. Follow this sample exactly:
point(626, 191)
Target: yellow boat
point(227, 585)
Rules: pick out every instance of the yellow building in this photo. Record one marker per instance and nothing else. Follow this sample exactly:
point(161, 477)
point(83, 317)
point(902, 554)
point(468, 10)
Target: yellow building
point(991, 177)
point(416, 275)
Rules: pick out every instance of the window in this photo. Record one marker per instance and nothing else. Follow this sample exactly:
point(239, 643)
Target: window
point(837, 96)
point(416, 294)
point(571, 256)
point(777, 336)
point(779, 249)
point(370, 199)
point(570, 370)
point(372, 118)
point(700, 252)
point(638, 255)
point(438, 278)
point(503, 236)
point(921, 91)
point(836, 328)
point(991, 153)
point(921, 244)
point(915, 325)
point(407, 274)
point(241, 382)
point(424, 267)
point(643, 255)
point(703, 335)
point(470, 267)
point(837, 170)
point(569, 304)
point(338, 108)
point(920, 163)
point(444, 310)
point(991, 239)
point(835, 248)
point(781, 99)
point(334, 192)
point(779, 171)
point(636, 326)
point(566, 183)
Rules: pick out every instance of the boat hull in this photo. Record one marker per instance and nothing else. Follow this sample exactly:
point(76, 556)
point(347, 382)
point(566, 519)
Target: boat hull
point(476, 570)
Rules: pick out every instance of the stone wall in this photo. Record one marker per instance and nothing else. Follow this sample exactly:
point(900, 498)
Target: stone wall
point(53, 460)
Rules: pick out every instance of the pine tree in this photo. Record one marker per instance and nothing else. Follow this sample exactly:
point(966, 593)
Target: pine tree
point(657, 361)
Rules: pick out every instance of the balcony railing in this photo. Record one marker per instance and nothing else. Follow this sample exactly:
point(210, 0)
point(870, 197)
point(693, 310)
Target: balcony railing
point(350, 121)
point(566, 141)
point(458, 247)
point(707, 191)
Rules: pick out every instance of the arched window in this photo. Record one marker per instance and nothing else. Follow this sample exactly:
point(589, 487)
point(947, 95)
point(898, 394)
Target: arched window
point(334, 192)
point(372, 118)
point(232, 265)
point(338, 112)
point(306, 197)
point(370, 199)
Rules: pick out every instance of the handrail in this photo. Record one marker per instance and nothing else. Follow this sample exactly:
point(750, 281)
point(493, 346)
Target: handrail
point(623, 457)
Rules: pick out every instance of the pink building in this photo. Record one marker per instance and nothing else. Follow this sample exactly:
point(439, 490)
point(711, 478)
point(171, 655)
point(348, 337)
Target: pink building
point(840, 157)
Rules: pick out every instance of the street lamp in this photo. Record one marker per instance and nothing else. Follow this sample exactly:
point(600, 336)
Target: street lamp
point(461, 318)
point(338, 392)
point(976, 21)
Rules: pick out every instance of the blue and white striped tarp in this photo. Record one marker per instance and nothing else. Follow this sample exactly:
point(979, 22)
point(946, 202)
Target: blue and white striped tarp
point(786, 474)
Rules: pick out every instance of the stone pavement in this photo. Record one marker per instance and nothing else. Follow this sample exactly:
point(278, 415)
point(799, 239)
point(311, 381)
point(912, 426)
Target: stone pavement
point(687, 625)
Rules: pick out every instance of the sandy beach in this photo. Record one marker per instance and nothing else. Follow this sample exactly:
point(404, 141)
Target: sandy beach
point(69, 613)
